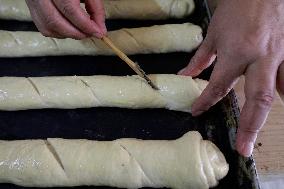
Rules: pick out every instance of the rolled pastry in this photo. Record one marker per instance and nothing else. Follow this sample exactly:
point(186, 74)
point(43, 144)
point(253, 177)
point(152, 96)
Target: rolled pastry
point(145, 40)
point(114, 9)
point(176, 92)
point(186, 163)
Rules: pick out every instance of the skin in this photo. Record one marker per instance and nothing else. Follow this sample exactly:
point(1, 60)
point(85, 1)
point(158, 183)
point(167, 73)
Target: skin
point(247, 37)
point(66, 19)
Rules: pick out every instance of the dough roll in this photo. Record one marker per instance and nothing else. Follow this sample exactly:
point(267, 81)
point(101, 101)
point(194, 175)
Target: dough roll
point(186, 163)
point(114, 9)
point(145, 40)
point(176, 92)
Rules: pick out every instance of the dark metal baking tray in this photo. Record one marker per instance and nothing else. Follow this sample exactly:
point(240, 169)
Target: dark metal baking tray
point(218, 124)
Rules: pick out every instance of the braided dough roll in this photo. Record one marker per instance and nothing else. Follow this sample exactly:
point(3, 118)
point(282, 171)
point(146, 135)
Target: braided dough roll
point(176, 92)
point(188, 162)
point(115, 9)
point(145, 40)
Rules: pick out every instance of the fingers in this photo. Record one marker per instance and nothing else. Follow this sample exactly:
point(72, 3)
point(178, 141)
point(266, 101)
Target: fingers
point(64, 18)
point(259, 92)
point(96, 9)
point(78, 17)
point(223, 78)
point(50, 21)
point(202, 59)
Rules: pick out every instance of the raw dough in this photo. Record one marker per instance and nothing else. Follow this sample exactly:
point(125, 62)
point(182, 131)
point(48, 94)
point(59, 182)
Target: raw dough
point(176, 92)
point(115, 9)
point(145, 40)
point(186, 163)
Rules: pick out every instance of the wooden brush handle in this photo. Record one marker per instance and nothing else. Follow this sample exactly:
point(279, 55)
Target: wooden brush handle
point(118, 52)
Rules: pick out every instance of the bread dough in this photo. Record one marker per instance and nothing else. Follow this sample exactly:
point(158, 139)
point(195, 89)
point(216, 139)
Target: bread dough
point(145, 40)
point(176, 92)
point(186, 163)
point(114, 9)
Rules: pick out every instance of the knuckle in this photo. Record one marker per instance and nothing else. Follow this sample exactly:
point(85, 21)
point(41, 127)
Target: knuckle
point(254, 36)
point(264, 98)
point(51, 22)
point(252, 44)
point(219, 90)
point(68, 9)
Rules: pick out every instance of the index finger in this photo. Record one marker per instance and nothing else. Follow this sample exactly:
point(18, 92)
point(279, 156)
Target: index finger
point(223, 78)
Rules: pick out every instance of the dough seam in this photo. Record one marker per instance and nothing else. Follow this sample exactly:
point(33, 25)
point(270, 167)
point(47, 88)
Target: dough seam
point(132, 37)
point(33, 85)
point(96, 100)
point(54, 153)
point(36, 90)
point(137, 162)
point(13, 37)
point(55, 43)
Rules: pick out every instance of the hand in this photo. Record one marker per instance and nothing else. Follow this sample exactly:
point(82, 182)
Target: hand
point(248, 39)
point(66, 19)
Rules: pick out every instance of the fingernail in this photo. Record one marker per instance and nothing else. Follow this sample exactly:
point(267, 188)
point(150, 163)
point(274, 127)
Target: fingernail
point(104, 30)
point(98, 35)
point(186, 71)
point(181, 71)
point(197, 113)
point(247, 149)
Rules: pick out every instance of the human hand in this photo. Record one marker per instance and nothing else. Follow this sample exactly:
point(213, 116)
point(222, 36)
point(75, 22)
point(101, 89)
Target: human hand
point(248, 39)
point(66, 19)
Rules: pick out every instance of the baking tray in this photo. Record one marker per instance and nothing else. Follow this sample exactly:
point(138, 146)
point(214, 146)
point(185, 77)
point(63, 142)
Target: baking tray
point(218, 124)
